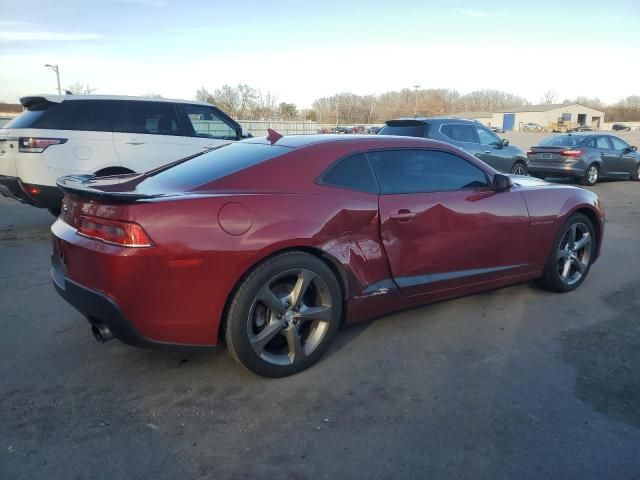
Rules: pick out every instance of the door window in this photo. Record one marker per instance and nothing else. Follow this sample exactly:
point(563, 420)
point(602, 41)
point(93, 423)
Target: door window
point(459, 132)
point(417, 171)
point(618, 144)
point(207, 124)
point(155, 118)
point(487, 137)
point(603, 143)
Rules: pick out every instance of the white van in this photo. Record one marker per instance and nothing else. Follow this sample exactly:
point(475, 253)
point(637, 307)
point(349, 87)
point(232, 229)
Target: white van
point(102, 135)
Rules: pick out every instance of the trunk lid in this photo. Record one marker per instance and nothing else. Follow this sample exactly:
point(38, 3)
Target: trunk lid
point(541, 153)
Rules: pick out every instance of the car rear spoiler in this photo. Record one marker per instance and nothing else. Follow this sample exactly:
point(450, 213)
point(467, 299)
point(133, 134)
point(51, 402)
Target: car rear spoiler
point(80, 185)
point(31, 101)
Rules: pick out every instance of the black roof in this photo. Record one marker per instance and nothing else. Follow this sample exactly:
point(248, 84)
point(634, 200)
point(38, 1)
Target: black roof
point(422, 120)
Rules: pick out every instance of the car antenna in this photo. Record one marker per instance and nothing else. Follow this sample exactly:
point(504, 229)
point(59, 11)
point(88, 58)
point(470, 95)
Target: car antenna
point(273, 136)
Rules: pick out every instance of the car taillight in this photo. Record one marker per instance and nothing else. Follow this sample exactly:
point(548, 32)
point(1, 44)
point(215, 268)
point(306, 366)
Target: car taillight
point(530, 153)
point(115, 232)
point(572, 153)
point(37, 145)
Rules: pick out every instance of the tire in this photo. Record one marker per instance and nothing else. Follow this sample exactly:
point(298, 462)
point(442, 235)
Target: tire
point(519, 168)
point(579, 257)
point(55, 211)
point(636, 177)
point(591, 175)
point(273, 338)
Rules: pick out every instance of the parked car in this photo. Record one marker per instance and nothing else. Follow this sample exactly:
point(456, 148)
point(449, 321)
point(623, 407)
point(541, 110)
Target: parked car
point(252, 244)
point(497, 129)
point(620, 127)
point(374, 130)
point(584, 128)
point(532, 127)
point(343, 130)
point(469, 135)
point(102, 135)
point(586, 157)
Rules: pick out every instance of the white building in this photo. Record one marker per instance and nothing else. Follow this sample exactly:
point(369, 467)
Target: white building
point(515, 118)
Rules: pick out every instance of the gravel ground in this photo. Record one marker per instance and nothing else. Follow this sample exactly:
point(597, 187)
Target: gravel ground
point(512, 383)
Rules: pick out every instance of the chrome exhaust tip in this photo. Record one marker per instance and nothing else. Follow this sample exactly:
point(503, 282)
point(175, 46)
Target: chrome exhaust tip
point(101, 333)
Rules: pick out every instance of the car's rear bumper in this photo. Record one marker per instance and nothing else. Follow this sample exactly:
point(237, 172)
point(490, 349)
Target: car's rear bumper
point(541, 169)
point(42, 196)
point(99, 309)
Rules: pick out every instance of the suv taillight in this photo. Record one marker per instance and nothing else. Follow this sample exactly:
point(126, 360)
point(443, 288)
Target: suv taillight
point(37, 145)
point(530, 153)
point(572, 153)
point(115, 232)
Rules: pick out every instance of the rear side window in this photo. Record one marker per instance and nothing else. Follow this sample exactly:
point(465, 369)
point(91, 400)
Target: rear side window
point(423, 171)
point(88, 115)
point(210, 166)
point(353, 173)
point(207, 124)
point(602, 142)
point(408, 128)
point(459, 133)
point(155, 118)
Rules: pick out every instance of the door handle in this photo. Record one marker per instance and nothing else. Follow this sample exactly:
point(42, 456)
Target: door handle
point(134, 141)
point(403, 215)
point(487, 151)
point(602, 154)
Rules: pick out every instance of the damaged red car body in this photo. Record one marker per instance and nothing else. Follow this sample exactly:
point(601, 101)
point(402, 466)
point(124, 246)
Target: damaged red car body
point(268, 245)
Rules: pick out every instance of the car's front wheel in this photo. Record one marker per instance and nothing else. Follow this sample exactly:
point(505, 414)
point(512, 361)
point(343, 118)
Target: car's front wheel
point(636, 176)
point(572, 255)
point(284, 315)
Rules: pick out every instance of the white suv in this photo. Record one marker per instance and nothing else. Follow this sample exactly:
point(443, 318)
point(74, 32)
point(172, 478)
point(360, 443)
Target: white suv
point(102, 135)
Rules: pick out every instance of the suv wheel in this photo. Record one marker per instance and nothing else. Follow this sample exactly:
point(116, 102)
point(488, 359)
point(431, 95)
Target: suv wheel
point(519, 168)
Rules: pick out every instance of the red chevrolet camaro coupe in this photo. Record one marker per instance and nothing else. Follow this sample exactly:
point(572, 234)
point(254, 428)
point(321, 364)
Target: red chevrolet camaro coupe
point(268, 245)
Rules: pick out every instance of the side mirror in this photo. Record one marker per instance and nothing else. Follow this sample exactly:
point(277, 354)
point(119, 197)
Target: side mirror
point(501, 182)
point(244, 133)
point(633, 148)
point(504, 142)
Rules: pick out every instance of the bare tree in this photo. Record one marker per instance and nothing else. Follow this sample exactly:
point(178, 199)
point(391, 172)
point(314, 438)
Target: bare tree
point(80, 89)
point(549, 97)
point(287, 111)
point(246, 97)
point(264, 105)
point(203, 95)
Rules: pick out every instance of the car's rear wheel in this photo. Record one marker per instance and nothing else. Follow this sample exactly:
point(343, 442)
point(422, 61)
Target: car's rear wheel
point(636, 177)
point(572, 255)
point(519, 168)
point(591, 175)
point(284, 315)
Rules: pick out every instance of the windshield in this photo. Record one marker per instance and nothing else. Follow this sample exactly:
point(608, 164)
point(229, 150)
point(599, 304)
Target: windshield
point(562, 141)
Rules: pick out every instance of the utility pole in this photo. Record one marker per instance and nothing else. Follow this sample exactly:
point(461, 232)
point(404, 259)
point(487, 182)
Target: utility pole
point(56, 69)
point(415, 111)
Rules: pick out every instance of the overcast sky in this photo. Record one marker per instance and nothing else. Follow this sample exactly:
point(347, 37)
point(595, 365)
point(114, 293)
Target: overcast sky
point(304, 50)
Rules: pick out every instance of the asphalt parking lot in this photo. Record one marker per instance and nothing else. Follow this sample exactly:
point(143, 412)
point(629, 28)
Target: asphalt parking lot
point(513, 383)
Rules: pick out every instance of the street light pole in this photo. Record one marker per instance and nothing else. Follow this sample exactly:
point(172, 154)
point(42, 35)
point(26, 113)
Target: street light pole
point(56, 69)
point(415, 111)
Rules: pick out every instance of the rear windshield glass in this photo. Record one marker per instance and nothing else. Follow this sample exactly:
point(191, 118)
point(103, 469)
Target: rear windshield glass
point(210, 166)
point(93, 115)
point(28, 117)
point(407, 130)
point(562, 141)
